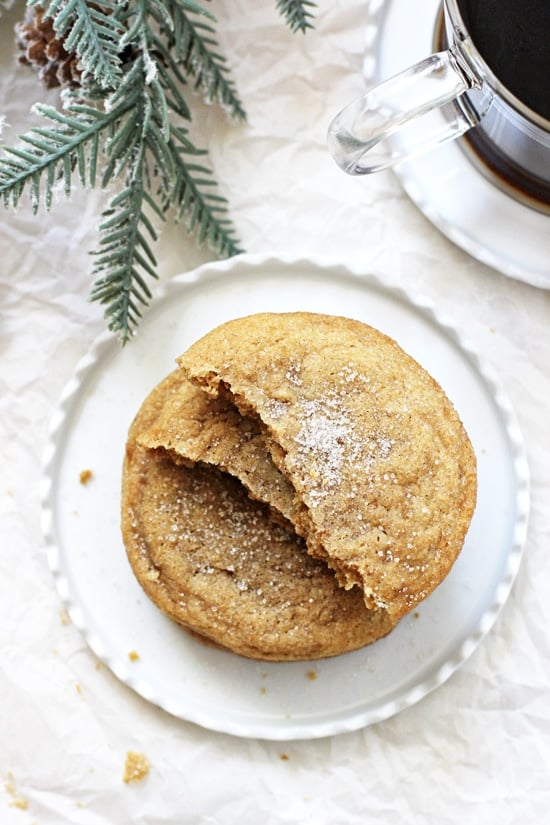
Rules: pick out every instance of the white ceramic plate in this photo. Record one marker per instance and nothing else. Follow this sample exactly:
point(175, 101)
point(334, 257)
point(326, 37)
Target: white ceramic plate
point(465, 206)
point(217, 689)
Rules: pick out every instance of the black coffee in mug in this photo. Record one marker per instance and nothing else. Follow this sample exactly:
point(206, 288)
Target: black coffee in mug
point(489, 79)
point(513, 37)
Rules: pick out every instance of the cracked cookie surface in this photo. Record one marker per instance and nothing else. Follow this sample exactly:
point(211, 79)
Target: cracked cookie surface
point(214, 561)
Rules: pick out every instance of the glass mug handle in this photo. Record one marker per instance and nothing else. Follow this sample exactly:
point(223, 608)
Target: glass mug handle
point(357, 137)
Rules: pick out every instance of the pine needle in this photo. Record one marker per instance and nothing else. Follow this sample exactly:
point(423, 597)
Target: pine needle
point(194, 203)
point(196, 50)
point(54, 151)
point(120, 285)
point(123, 126)
point(296, 13)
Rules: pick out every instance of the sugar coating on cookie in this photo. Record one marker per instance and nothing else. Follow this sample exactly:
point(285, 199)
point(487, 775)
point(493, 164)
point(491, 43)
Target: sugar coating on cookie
point(194, 427)
point(214, 560)
point(383, 471)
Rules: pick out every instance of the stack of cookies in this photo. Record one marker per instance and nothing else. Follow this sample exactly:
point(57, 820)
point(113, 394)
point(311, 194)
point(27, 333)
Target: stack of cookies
point(295, 487)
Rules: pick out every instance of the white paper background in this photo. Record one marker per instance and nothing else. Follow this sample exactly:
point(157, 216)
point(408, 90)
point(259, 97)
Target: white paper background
point(475, 751)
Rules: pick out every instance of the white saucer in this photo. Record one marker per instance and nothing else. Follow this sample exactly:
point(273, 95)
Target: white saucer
point(457, 199)
point(215, 688)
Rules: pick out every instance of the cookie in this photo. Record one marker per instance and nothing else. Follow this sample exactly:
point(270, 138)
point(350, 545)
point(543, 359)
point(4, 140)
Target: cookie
point(194, 427)
point(214, 560)
point(382, 469)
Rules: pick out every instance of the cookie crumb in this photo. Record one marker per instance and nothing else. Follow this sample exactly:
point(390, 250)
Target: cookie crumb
point(64, 617)
point(284, 757)
point(136, 767)
point(311, 675)
point(263, 690)
point(17, 801)
point(133, 656)
point(85, 476)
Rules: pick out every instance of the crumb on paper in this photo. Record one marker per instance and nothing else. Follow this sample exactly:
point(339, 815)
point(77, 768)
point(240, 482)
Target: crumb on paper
point(136, 767)
point(263, 690)
point(78, 687)
point(133, 656)
point(17, 801)
point(85, 476)
point(416, 614)
point(311, 675)
point(284, 757)
point(64, 617)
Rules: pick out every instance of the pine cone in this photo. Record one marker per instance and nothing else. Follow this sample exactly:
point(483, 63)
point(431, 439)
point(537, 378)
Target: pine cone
point(43, 50)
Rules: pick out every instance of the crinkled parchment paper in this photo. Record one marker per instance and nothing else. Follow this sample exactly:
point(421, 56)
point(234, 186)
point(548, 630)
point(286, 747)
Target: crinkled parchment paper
point(475, 751)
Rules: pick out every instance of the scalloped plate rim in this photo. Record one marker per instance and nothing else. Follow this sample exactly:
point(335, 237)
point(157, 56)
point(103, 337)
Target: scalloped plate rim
point(291, 729)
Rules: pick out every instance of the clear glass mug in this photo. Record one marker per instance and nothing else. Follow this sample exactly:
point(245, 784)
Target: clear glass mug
point(439, 99)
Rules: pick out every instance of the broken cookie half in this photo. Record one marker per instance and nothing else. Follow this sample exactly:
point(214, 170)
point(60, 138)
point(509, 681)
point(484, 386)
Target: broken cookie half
point(216, 562)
